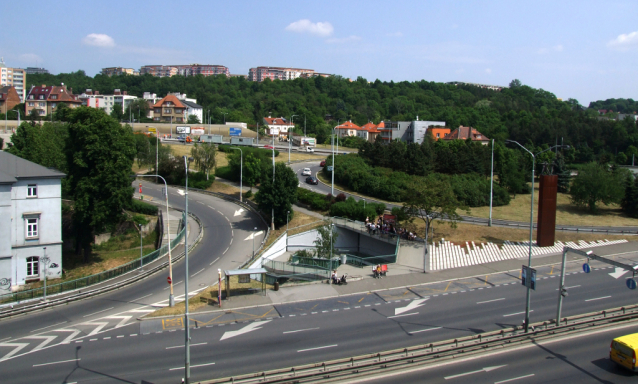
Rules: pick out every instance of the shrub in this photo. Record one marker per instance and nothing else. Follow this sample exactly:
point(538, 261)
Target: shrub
point(138, 206)
point(340, 197)
point(316, 201)
point(248, 195)
point(198, 180)
point(140, 219)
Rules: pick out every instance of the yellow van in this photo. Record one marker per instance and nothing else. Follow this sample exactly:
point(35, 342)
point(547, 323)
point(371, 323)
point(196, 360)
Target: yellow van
point(623, 349)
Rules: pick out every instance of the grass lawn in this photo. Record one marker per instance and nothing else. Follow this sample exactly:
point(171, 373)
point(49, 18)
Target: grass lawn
point(298, 156)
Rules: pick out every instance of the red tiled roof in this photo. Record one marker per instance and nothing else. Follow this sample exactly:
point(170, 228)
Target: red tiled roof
point(462, 133)
point(371, 127)
point(171, 98)
point(276, 121)
point(348, 125)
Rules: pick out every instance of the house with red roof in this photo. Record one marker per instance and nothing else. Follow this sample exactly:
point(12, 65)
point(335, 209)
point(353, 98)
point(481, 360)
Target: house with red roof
point(370, 131)
point(347, 129)
point(464, 133)
point(170, 109)
point(44, 99)
point(278, 126)
point(9, 98)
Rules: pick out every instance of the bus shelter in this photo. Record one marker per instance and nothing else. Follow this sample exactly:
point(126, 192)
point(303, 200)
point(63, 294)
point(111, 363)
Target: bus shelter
point(244, 281)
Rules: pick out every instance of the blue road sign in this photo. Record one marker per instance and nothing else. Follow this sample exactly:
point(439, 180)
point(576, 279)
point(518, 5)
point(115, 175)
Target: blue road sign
point(330, 168)
point(586, 268)
point(631, 283)
point(235, 131)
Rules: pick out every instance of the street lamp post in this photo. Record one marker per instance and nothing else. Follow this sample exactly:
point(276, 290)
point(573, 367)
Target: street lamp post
point(225, 113)
point(272, 215)
point(334, 130)
point(141, 250)
point(171, 298)
point(287, 214)
point(241, 173)
point(531, 223)
point(254, 233)
point(187, 337)
point(45, 261)
point(489, 224)
point(332, 226)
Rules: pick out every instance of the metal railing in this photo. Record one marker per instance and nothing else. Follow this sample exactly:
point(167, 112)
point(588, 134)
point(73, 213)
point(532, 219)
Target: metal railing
point(313, 262)
point(86, 281)
point(287, 268)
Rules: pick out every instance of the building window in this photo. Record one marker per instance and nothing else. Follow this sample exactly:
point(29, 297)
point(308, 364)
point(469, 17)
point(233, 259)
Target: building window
point(32, 190)
point(167, 110)
point(32, 228)
point(31, 104)
point(33, 266)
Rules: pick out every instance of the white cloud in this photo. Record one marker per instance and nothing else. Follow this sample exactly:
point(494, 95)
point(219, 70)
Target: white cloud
point(395, 34)
point(99, 40)
point(341, 40)
point(488, 71)
point(307, 26)
point(624, 42)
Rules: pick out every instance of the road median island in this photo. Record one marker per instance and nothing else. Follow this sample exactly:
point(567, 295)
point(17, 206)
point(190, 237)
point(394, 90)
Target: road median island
point(417, 357)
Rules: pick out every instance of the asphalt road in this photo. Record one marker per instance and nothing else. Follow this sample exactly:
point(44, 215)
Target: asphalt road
point(227, 242)
point(298, 333)
point(577, 359)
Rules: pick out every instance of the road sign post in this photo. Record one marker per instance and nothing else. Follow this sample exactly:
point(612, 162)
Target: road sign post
point(169, 280)
point(528, 277)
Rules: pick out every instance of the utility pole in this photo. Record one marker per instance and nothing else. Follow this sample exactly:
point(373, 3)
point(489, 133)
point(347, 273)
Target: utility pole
point(491, 184)
point(187, 338)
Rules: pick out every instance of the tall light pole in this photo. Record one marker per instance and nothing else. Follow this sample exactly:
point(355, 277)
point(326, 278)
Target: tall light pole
point(187, 338)
point(141, 250)
point(156, 151)
point(225, 113)
point(171, 297)
point(45, 261)
point(272, 216)
point(292, 122)
point(304, 125)
point(334, 130)
point(254, 233)
point(531, 224)
point(287, 214)
point(241, 173)
point(489, 224)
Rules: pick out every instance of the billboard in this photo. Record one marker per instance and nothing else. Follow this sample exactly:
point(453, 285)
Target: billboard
point(183, 129)
point(235, 131)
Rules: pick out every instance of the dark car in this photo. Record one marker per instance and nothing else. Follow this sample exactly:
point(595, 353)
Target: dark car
point(323, 163)
point(312, 180)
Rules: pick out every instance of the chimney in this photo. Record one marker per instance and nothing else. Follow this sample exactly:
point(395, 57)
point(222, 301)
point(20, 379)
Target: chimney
point(44, 85)
point(117, 92)
point(125, 93)
point(96, 93)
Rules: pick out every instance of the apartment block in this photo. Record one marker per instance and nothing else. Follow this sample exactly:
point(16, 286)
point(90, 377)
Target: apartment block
point(110, 71)
point(37, 71)
point(408, 131)
point(94, 99)
point(279, 73)
point(184, 70)
point(15, 77)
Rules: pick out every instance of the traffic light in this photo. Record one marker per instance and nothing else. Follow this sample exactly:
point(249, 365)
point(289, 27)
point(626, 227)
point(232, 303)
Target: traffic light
point(563, 292)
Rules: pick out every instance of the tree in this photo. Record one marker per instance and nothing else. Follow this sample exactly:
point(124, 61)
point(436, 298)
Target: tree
point(252, 170)
point(99, 153)
point(142, 150)
point(34, 116)
point(192, 119)
point(324, 245)
point(137, 109)
point(278, 196)
point(596, 183)
point(43, 145)
point(630, 201)
point(564, 175)
point(431, 199)
point(515, 83)
point(117, 112)
point(204, 157)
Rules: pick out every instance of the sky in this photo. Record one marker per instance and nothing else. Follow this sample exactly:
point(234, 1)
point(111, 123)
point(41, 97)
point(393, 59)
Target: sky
point(586, 50)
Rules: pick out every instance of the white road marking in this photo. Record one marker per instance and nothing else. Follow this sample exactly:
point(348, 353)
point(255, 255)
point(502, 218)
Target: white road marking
point(313, 349)
point(486, 369)
point(214, 260)
point(254, 234)
point(192, 366)
point(413, 305)
point(489, 301)
point(56, 362)
point(95, 313)
point(200, 271)
point(573, 286)
point(425, 330)
point(181, 346)
point(302, 330)
point(39, 329)
point(239, 212)
point(225, 251)
point(517, 313)
point(599, 298)
point(407, 314)
point(515, 378)
point(249, 328)
point(143, 297)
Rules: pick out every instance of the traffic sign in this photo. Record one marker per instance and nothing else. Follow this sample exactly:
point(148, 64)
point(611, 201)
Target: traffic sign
point(329, 168)
point(631, 283)
point(169, 280)
point(586, 268)
point(151, 129)
point(140, 187)
point(528, 277)
point(234, 131)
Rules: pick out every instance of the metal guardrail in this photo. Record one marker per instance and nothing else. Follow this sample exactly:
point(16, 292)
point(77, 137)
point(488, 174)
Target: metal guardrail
point(86, 281)
point(433, 352)
point(285, 267)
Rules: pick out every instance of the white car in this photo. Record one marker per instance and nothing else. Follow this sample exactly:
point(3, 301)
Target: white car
point(310, 149)
point(306, 172)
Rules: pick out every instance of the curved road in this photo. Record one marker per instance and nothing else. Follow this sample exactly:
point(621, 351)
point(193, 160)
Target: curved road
point(226, 228)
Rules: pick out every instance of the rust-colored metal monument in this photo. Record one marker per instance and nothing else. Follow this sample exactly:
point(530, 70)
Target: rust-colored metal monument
point(546, 227)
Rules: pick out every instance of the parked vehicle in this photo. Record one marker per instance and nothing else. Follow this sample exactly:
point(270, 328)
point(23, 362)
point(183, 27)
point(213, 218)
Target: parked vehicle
point(310, 149)
point(184, 138)
point(306, 172)
point(312, 180)
point(622, 351)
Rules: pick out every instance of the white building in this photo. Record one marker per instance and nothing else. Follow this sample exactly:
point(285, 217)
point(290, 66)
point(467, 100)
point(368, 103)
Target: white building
point(107, 102)
point(193, 109)
point(15, 77)
point(30, 222)
point(278, 126)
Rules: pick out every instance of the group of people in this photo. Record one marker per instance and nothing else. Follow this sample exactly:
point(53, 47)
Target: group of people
point(377, 271)
point(335, 279)
point(381, 226)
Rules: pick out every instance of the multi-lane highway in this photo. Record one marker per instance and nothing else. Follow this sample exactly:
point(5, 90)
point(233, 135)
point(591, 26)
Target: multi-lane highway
point(227, 242)
point(298, 333)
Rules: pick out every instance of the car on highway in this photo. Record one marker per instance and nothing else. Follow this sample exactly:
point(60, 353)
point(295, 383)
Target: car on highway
point(622, 351)
point(306, 172)
point(268, 146)
point(323, 163)
point(312, 180)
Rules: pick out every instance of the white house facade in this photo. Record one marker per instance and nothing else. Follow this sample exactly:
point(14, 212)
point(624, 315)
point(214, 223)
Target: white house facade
point(30, 222)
